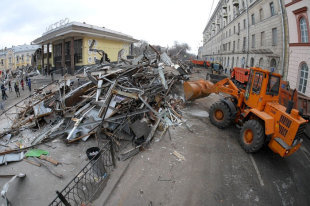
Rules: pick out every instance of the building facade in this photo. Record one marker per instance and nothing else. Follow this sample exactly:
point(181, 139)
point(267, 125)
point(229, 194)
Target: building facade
point(298, 14)
point(16, 57)
point(68, 45)
point(247, 33)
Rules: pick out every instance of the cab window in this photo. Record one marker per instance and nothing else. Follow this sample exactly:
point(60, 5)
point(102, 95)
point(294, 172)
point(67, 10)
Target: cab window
point(273, 85)
point(258, 79)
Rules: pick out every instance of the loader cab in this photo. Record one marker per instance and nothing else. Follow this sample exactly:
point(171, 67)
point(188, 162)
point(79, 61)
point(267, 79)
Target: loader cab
point(263, 86)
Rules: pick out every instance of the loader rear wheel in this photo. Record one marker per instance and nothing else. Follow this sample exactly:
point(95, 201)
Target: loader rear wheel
point(252, 136)
point(220, 115)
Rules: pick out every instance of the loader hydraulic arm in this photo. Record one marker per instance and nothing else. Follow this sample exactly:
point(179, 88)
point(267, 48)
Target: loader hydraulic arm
point(203, 88)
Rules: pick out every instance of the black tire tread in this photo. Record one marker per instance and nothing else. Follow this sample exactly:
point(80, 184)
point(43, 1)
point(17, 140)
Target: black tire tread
point(258, 139)
point(227, 115)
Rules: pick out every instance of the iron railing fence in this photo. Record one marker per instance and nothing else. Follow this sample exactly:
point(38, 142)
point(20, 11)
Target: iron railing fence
point(90, 181)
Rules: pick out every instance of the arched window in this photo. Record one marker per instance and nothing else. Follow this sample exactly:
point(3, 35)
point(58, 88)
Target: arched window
point(303, 30)
point(242, 62)
point(303, 78)
point(252, 62)
point(273, 64)
point(261, 63)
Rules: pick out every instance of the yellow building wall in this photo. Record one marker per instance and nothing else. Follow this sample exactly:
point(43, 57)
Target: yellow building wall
point(2, 66)
point(111, 47)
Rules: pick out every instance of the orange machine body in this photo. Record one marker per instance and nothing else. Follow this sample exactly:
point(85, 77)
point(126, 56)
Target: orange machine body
point(259, 100)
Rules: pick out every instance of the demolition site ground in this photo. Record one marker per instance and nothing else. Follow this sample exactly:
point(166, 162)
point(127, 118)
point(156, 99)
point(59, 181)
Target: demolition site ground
point(192, 164)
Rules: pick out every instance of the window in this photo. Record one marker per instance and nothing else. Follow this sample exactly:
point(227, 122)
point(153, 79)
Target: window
point(78, 51)
point(262, 38)
point(261, 14)
point(237, 61)
point(244, 23)
point(273, 85)
point(228, 62)
point(258, 79)
point(244, 43)
point(253, 40)
point(229, 46)
point(234, 45)
point(238, 45)
point(252, 62)
point(303, 30)
point(273, 64)
point(253, 19)
point(234, 29)
point(261, 63)
point(303, 79)
point(242, 62)
point(229, 32)
point(272, 11)
point(2, 61)
point(22, 58)
point(232, 62)
point(238, 28)
point(274, 36)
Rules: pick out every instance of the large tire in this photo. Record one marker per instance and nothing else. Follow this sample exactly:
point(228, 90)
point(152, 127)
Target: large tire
point(220, 115)
point(252, 136)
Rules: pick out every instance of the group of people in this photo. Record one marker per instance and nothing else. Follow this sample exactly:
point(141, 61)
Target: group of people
point(16, 87)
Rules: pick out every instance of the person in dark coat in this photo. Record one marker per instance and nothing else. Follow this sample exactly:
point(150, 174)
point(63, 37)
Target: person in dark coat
point(4, 95)
point(16, 87)
point(10, 86)
point(29, 84)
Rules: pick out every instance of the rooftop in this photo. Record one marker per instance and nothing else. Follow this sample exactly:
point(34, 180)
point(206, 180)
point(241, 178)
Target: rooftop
point(81, 29)
point(19, 48)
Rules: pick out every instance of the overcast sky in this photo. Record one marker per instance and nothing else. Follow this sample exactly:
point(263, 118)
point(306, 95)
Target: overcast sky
point(159, 22)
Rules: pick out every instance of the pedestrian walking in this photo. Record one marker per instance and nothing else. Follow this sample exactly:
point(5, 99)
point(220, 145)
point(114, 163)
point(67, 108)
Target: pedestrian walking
point(29, 84)
point(10, 86)
point(16, 87)
point(22, 84)
point(1, 105)
point(4, 95)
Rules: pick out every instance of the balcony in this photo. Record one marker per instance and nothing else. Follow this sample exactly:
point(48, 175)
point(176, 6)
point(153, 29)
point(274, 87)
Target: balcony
point(225, 15)
point(235, 3)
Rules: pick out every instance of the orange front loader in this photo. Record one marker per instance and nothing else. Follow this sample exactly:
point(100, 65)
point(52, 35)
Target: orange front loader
point(255, 109)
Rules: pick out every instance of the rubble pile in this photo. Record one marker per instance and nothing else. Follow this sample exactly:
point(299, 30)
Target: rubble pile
point(125, 102)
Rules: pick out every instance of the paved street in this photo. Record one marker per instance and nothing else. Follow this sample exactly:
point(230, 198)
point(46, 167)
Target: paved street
point(216, 171)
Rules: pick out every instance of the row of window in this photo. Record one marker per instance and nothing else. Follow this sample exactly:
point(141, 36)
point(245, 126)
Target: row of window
point(227, 46)
point(261, 18)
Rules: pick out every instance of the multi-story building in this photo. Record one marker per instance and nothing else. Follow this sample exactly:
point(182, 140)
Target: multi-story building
point(298, 14)
point(244, 33)
point(16, 57)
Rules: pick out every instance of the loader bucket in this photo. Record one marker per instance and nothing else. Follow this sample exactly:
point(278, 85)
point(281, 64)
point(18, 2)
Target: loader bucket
point(197, 89)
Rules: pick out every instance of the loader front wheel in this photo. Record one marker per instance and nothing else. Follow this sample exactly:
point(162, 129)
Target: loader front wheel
point(220, 115)
point(252, 136)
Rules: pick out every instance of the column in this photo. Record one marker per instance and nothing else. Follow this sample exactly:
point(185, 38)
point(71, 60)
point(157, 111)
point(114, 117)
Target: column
point(48, 58)
point(72, 55)
point(42, 59)
point(63, 60)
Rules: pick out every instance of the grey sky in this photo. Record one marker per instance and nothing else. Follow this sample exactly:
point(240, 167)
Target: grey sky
point(158, 22)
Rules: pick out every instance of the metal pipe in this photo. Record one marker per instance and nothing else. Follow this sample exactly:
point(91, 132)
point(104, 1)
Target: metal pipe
point(248, 33)
point(283, 39)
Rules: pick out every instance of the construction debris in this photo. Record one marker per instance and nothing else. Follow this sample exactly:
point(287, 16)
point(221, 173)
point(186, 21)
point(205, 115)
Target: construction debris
point(124, 102)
